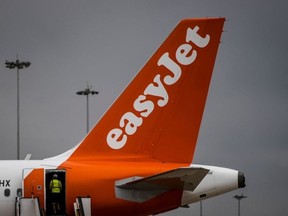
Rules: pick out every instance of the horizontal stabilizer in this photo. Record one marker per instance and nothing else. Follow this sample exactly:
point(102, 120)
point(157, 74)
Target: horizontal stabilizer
point(139, 189)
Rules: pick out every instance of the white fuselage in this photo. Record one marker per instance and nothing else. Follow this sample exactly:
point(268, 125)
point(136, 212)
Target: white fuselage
point(12, 174)
point(218, 181)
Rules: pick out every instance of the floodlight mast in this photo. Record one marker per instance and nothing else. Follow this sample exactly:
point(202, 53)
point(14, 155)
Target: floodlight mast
point(87, 92)
point(239, 197)
point(18, 65)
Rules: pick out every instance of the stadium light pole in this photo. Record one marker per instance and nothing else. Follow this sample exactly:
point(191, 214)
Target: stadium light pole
point(87, 92)
point(201, 208)
point(18, 65)
point(239, 197)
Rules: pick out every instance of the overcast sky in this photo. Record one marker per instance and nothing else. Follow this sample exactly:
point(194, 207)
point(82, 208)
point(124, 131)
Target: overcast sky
point(245, 124)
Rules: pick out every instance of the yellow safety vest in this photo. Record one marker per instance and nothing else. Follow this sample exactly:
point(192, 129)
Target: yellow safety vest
point(55, 186)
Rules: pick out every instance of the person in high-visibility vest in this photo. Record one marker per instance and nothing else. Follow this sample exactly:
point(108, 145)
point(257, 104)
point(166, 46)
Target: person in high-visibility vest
point(55, 187)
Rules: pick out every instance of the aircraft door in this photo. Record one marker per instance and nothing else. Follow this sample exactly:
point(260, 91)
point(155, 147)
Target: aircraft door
point(33, 184)
point(55, 181)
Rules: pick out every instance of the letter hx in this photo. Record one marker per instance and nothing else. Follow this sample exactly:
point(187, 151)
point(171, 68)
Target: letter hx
point(5, 183)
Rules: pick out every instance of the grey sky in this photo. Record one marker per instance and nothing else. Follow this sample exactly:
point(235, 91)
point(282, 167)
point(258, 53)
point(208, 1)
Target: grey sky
point(245, 124)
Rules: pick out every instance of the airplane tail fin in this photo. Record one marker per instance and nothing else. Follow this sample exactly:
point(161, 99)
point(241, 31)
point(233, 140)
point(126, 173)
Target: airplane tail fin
point(159, 114)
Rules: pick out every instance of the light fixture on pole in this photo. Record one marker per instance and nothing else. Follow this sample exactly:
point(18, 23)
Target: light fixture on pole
point(19, 65)
point(239, 197)
point(87, 92)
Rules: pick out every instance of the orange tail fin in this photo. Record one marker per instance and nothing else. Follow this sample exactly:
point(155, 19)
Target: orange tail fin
point(159, 113)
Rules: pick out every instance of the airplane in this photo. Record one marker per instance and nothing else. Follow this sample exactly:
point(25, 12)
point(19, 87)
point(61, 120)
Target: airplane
point(137, 160)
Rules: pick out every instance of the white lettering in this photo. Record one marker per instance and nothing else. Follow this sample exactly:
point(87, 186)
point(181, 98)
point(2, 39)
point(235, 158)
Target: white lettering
point(166, 61)
point(131, 122)
point(182, 52)
point(158, 91)
point(113, 138)
point(194, 37)
point(142, 106)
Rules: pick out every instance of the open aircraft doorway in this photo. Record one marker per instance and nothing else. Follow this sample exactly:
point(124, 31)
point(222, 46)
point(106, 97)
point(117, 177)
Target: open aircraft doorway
point(55, 181)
